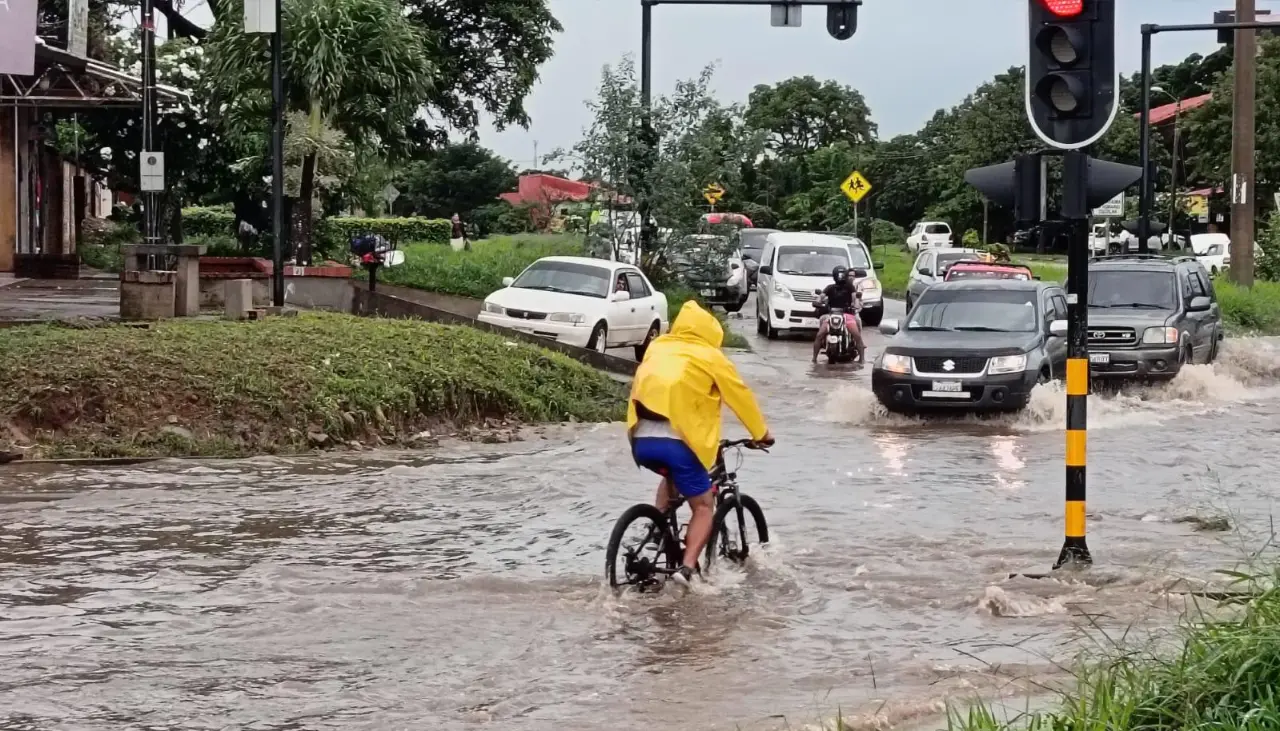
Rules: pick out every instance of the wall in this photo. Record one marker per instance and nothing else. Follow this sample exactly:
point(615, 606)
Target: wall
point(385, 304)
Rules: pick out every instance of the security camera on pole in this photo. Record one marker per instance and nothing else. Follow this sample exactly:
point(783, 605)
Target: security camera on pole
point(1071, 100)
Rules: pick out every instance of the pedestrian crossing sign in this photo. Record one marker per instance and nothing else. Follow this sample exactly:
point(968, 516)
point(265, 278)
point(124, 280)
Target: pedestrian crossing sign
point(856, 186)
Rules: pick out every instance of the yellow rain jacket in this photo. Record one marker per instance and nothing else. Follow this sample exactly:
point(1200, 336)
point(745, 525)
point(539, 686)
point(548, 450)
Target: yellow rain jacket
point(686, 378)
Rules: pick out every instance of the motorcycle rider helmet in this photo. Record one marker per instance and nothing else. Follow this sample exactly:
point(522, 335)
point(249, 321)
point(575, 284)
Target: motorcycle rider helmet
point(840, 274)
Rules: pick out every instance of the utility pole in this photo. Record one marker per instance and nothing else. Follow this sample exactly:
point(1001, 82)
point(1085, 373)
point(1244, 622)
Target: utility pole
point(1242, 146)
point(150, 199)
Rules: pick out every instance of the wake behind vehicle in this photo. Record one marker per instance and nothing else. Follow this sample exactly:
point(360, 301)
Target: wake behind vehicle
point(973, 345)
point(1150, 315)
point(647, 563)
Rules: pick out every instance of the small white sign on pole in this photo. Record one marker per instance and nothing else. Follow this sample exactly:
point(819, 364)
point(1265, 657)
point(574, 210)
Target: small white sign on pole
point(1113, 208)
point(151, 178)
point(784, 16)
point(260, 16)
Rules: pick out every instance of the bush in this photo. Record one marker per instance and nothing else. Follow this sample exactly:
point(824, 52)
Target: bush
point(478, 272)
point(208, 221)
point(886, 234)
point(502, 218)
point(1253, 310)
point(1268, 265)
point(220, 245)
point(971, 239)
point(334, 234)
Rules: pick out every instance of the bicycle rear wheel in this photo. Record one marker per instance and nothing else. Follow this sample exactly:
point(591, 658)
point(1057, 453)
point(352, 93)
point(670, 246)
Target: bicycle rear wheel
point(638, 562)
point(731, 529)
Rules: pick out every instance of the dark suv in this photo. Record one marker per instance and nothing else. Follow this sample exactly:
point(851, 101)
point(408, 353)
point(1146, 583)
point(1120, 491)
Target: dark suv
point(1149, 315)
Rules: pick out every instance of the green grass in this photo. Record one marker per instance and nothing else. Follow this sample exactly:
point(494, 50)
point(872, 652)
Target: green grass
point(1250, 311)
point(677, 295)
point(476, 273)
point(897, 269)
point(259, 387)
point(1222, 673)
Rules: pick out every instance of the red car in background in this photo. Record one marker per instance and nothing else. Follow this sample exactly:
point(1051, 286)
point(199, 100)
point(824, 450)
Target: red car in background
point(985, 270)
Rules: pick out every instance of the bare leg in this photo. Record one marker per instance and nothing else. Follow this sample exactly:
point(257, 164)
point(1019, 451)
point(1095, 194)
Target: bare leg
point(818, 341)
point(663, 499)
point(704, 508)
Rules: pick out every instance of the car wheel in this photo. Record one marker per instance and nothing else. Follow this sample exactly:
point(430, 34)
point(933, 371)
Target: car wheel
point(1213, 349)
point(642, 348)
point(1044, 377)
point(599, 341)
point(1213, 271)
point(908, 302)
point(770, 331)
point(871, 318)
point(760, 324)
point(1187, 356)
point(735, 307)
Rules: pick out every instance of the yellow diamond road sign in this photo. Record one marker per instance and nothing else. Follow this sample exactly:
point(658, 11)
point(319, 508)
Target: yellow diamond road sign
point(713, 193)
point(855, 186)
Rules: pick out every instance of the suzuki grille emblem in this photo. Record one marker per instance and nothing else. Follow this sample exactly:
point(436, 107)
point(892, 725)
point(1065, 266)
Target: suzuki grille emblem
point(948, 365)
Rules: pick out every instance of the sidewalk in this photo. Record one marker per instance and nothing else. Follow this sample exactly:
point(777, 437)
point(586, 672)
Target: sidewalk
point(42, 300)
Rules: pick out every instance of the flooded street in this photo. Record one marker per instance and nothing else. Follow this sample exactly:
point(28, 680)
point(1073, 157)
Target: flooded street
point(462, 589)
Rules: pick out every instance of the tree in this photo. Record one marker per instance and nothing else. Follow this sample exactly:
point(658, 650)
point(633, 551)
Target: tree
point(699, 141)
point(358, 66)
point(453, 179)
point(801, 115)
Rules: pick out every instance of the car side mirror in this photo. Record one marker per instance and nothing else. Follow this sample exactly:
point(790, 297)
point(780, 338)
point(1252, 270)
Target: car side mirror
point(889, 327)
point(1035, 277)
point(622, 296)
point(508, 281)
point(1199, 304)
point(878, 265)
point(766, 269)
point(925, 271)
point(734, 265)
point(859, 272)
point(1058, 328)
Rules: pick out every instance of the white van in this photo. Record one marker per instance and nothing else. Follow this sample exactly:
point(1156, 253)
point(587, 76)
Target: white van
point(794, 270)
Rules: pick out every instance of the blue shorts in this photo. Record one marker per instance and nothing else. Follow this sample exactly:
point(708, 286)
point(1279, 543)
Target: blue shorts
point(673, 459)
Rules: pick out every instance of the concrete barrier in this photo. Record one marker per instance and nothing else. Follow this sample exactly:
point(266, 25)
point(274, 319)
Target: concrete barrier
point(386, 302)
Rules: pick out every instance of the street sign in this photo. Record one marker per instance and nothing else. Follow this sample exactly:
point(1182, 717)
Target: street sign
point(78, 26)
point(784, 16)
point(389, 194)
point(260, 16)
point(1113, 208)
point(713, 193)
point(856, 186)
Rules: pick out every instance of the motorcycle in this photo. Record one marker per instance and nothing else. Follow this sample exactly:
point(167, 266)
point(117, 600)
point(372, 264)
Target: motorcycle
point(840, 347)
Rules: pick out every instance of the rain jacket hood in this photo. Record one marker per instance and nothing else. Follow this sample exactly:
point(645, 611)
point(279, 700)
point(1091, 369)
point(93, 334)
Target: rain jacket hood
point(686, 378)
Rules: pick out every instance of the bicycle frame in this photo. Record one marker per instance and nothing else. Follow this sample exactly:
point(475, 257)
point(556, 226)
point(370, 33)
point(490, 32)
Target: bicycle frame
point(723, 484)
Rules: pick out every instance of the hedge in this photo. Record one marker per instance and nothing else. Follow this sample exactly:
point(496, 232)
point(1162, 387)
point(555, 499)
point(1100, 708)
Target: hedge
point(211, 221)
point(337, 232)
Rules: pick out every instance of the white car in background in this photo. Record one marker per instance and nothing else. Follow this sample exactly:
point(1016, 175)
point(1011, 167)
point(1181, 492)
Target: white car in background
point(930, 234)
point(588, 303)
point(1212, 251)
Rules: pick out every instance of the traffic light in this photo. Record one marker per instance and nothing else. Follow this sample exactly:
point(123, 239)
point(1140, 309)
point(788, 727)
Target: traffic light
point(1013, 185)
point(1072, 79)
point(842, 19)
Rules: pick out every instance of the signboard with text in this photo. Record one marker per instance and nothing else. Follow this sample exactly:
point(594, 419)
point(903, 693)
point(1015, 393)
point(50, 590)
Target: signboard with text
point(1113, 208)
point(18, 37)
point(78, 35)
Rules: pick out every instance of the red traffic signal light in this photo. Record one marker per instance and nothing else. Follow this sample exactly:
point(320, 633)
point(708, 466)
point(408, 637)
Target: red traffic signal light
point(1064, 8)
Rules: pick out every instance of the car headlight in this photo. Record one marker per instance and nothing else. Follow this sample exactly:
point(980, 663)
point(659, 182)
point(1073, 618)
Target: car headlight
point(576, 318)
point(780, 290)
point(1160, 336)
point(494, 309)
point(1008, 364)
point(869, 288)
point(895, 363)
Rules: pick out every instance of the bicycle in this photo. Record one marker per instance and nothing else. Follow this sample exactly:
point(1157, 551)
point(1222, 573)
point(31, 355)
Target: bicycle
point(645, 572)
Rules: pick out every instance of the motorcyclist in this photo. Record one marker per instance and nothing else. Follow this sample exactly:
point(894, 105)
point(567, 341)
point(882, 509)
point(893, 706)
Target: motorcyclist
point(841, 294)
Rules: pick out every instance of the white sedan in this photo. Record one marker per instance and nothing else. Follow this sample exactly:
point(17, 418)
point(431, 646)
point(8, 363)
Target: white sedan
point(589, 303)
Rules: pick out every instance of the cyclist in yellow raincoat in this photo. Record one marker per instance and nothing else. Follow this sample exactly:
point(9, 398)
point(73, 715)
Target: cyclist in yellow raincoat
point(673, 417)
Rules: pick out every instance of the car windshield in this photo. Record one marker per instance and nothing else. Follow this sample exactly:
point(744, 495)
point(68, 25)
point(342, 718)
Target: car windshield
point(948, 258)
point(981, 310)
point(937, 228)
point(1132, 289)
point(565, 276)
point(752, 242)
point(812, 261)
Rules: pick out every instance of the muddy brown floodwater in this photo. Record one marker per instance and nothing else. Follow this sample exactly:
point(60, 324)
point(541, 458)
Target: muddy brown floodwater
point(462, 589)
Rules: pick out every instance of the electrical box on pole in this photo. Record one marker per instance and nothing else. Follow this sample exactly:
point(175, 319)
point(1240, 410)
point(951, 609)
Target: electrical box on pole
point(1072, 78)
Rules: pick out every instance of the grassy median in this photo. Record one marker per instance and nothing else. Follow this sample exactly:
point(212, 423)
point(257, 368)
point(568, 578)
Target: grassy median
point(897, 269)
point(1222, 672)
point(277, 385)
point(479, 272)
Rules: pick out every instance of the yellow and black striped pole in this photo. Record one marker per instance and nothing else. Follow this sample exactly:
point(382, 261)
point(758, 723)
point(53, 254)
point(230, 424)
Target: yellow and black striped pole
point(1075, 551)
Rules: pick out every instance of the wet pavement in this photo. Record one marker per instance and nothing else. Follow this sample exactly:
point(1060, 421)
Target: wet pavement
point(462, 589)
point(26, 300)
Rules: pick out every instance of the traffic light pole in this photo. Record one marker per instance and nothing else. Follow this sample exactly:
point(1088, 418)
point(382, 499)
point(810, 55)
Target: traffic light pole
point(842, 21)
point(1146, 194)
point(1075, 213)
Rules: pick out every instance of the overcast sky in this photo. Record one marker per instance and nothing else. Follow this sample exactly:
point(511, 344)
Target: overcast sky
point(908, 58)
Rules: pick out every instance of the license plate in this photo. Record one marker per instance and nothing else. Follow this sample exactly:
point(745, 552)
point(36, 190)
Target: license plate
point(833, 338)
point(1100, 358)
point(708, 293)
point(946, 386)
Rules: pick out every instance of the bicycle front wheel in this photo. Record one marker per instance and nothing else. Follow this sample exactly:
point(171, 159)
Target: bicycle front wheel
point(638, 548)
point(738, 526)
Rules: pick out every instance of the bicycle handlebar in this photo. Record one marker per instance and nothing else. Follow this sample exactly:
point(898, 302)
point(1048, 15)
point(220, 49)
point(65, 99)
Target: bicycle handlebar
point(749, 443)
